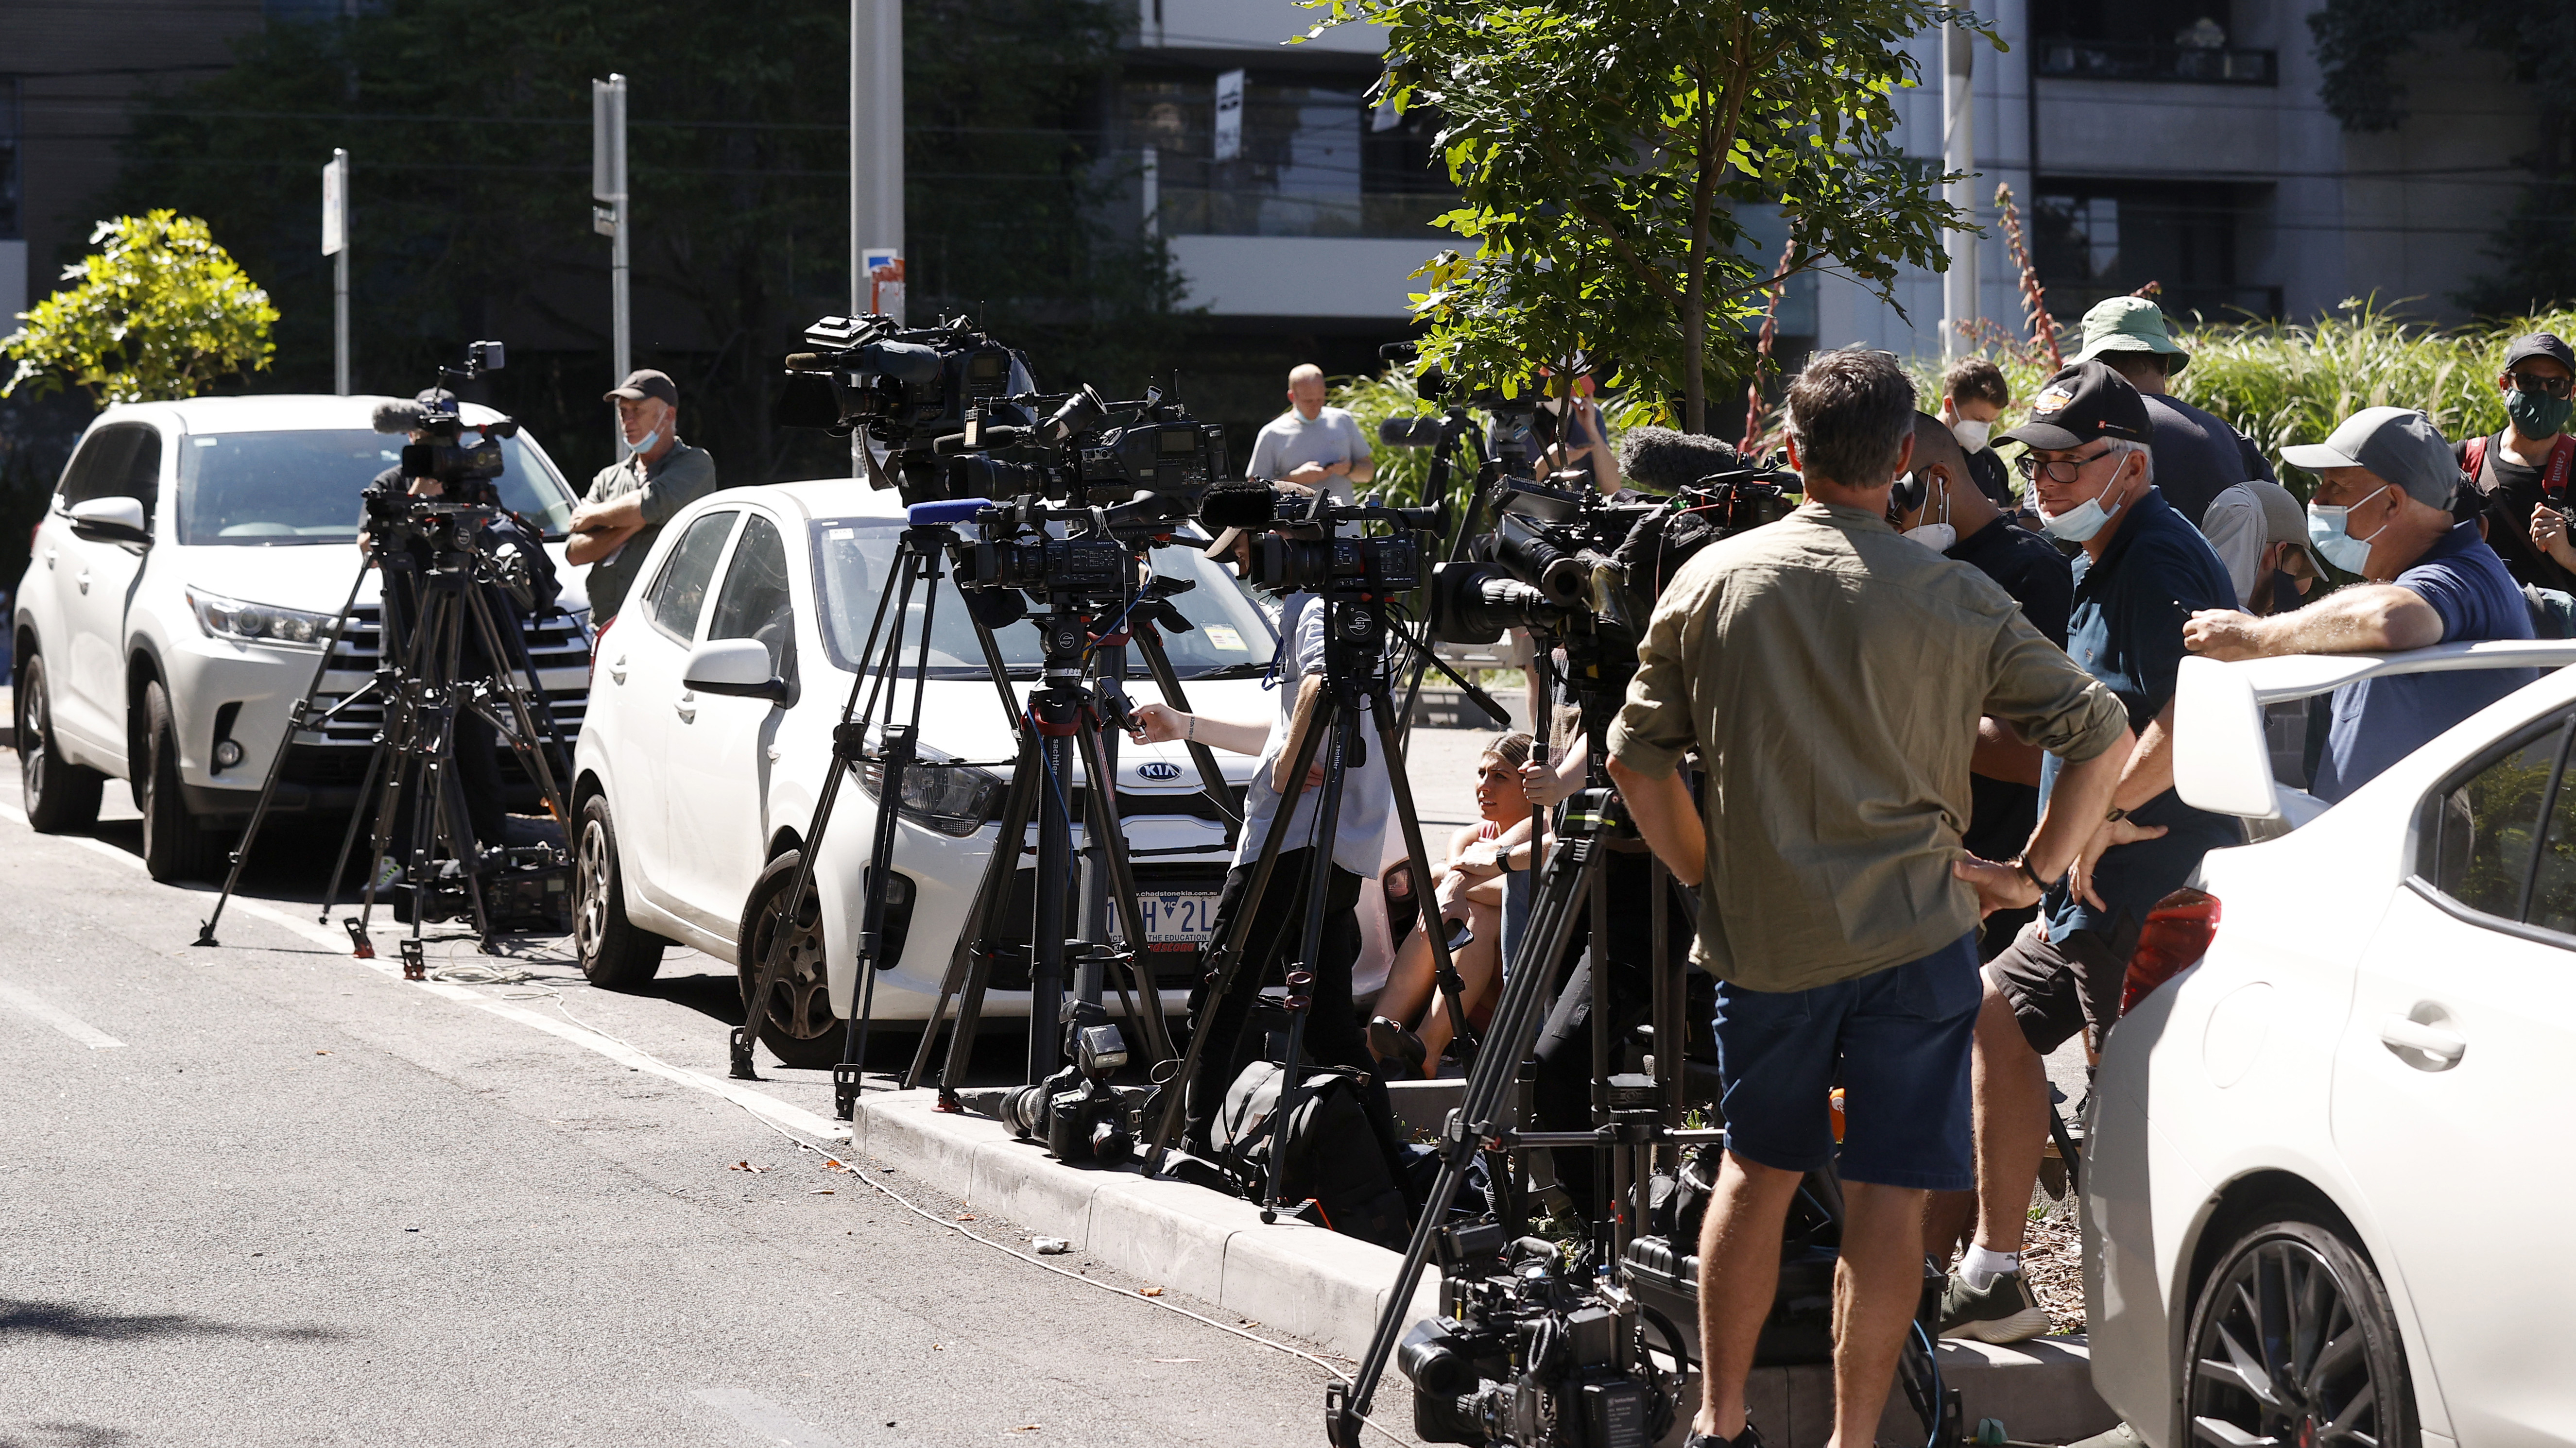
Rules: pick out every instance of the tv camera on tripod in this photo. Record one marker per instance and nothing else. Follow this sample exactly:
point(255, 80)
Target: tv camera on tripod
point(453, 676)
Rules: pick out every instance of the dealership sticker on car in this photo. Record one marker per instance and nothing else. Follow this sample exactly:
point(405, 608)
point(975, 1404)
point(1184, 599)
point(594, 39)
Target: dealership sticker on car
point(1172, 919)
point(1219, 636)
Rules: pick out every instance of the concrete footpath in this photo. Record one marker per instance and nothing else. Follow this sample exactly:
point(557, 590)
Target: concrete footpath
point(1331, 1289)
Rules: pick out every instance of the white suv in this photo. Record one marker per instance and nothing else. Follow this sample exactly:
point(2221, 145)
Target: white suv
point(692, 802)
point(191, 562)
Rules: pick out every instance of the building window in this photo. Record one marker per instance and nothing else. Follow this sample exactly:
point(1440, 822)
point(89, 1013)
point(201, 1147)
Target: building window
point(1317, 160)
point(2167, 40)
point(2096, 239)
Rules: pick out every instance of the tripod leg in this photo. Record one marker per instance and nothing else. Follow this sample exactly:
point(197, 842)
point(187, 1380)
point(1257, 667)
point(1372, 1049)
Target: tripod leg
point(1001, 875)
point(1672, 1033)
point(1337, 715)
point(1443, 969)
point(1225, 959)
point(1517, 1017)
point(1122, 894)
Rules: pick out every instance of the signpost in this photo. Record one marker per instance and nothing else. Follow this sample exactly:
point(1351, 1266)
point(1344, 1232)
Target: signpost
point(1229, 115)
point(335, 245)
point(1959, 153)
point(876, 170)
point(608, 216)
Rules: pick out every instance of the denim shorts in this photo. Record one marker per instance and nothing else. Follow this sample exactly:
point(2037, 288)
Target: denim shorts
point(1896, 1040)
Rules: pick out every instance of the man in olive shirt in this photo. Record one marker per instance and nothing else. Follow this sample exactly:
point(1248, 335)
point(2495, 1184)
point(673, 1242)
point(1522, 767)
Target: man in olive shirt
point(629, 501)
point(1830, 674)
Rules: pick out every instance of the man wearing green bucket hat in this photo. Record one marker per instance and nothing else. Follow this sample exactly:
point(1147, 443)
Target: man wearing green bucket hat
point(2198, 457)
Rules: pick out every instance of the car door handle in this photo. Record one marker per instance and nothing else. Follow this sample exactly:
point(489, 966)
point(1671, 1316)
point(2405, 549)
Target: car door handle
point(49, 558)
point(84, 580)
point(617, 671)
point(687, 707)
point(2444, 1046)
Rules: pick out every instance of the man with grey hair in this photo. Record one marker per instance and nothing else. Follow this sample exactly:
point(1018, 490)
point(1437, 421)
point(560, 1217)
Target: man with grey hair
point(1310, 444)
point(1830, 675)
point(2143, 570)
point(2385, 481)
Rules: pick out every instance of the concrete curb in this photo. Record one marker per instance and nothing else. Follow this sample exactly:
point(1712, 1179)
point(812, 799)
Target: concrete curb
point(1329, 1288)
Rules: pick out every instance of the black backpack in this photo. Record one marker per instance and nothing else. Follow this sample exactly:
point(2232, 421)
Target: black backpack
point(1331, 1154)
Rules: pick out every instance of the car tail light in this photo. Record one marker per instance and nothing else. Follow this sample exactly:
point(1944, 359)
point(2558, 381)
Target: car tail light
point(596, 640)
point(2177, 934)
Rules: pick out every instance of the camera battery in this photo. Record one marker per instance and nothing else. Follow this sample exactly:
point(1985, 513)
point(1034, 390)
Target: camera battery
point(1614, 1414)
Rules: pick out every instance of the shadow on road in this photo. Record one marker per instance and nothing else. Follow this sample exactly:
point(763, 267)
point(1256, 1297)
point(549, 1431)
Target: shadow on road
point(53, 1434)
point(23, 1319)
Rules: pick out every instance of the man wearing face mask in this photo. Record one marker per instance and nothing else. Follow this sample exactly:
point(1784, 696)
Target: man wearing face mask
point(1973, 395)
point(631, 499)
point(1937, 506)
point(2521, 473)
point(2142, 571)
point(2199, 458)
point(2382, 510)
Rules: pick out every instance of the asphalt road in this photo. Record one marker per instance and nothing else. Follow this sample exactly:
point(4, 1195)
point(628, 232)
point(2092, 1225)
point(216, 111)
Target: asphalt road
point(268, 1194)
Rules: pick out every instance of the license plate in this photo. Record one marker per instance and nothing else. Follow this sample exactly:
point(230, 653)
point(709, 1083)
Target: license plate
point(1173, 919)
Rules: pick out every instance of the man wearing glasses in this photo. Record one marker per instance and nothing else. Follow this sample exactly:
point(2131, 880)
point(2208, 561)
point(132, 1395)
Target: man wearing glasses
point(2142, 572)
point(2521, 473)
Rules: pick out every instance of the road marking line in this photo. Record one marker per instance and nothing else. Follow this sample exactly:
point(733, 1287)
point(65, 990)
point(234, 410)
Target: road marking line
point(36, 1008)
point(761, 1104)
point(773, 1423)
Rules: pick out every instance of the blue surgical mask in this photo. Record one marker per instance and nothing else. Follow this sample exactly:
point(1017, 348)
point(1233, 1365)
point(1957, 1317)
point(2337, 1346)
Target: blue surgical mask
point(2086, 518)
point(2326, 534)
point(644, 444)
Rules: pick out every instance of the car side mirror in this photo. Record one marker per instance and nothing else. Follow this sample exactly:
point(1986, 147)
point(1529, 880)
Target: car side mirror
point(118, 518)
point(735, 667)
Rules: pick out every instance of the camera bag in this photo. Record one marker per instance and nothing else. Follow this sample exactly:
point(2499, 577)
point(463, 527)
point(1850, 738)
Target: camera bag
point(1331, 1153)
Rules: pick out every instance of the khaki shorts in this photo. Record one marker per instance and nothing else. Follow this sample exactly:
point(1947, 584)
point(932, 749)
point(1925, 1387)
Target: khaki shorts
point(2058, 988)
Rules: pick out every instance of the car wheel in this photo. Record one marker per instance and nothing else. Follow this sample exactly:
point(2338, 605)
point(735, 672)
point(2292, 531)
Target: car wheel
point(615, 953)
point(801, 1030)
point(2293, 1343)
point(60, 796)
point(175, 846)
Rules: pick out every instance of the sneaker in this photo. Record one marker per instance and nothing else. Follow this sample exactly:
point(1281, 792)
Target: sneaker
point(387, 872)
point(2004, 1312)
point(1749, 1438)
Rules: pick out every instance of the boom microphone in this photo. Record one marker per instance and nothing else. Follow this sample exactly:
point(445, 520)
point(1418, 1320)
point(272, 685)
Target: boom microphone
point(400, 415)
point(1660, 458)
point(1238, 505)
point(1415, 431)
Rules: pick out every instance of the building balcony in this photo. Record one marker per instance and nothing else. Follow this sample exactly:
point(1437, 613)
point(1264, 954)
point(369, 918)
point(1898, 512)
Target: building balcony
point(2134, 60)
point(1345, 277)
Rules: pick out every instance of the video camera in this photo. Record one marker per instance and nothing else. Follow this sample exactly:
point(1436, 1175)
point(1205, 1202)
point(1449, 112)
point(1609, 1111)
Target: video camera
point(1077, 456)
point(1363, 567)
point(902, 387)
point(1526, 1351)
point(463, 470)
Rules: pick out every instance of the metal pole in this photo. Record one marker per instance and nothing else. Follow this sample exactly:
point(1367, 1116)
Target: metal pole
point(335, 244)
point(609, 217)
point(858, 221)
point(1959, 153)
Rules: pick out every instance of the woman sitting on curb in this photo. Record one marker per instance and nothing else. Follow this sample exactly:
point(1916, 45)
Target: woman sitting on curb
point(1412, 1027)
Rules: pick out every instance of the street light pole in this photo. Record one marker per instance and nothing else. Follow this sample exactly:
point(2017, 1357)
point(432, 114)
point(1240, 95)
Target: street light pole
point(335, 245)
point(876, 161)
point(1959, 299)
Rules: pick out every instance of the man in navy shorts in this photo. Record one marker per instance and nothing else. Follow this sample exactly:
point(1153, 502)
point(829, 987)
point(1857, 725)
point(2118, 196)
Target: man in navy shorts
point(1829, 673)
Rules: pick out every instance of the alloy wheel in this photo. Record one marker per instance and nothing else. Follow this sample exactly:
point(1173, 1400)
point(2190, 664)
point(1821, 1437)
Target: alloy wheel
point(35, 728)
point(800, 1004)
point(2282, 1357)
point(593, 875)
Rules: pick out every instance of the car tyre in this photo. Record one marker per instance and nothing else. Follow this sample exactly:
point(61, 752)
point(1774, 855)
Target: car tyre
point(801, 1030)
point(616, 954)
point(2293, 1340)
point(61, 796)
point(175, 845)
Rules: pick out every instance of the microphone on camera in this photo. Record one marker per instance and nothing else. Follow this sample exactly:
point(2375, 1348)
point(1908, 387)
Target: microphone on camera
point(1669, 461)
point(1420, 430)
point(809, 362)
point(400, 415)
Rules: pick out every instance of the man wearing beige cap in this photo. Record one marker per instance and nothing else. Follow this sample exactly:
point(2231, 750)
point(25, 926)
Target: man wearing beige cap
point(630, 500)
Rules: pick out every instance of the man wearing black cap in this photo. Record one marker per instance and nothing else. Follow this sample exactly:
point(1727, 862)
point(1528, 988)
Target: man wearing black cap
point(2143, 570)
point(2521, 473)
point(2383, 510)
point(629, 501)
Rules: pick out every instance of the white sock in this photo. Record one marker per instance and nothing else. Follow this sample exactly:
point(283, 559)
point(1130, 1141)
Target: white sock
point(1980, 1268)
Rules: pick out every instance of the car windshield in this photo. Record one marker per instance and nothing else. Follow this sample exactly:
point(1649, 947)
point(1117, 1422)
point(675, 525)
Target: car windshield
point(261, 488)
point(854, 558)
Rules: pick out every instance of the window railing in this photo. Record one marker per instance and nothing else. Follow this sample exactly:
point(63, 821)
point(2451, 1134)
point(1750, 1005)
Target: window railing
point(2135, 60)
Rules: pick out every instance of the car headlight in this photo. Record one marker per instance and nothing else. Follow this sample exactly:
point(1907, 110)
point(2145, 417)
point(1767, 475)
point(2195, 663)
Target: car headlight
point(230, 618)
point(952, 798)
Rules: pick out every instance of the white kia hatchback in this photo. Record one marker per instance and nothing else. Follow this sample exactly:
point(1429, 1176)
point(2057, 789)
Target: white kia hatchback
point(2328, 1150)
point(691, 803)
point(188, 569)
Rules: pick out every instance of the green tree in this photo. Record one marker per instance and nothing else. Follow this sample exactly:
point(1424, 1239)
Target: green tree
point(158, 311)
point(1606, 149)
point(2365, 49)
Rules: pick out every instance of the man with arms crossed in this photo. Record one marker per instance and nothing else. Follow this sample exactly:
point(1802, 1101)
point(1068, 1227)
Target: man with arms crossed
point(1830, 674)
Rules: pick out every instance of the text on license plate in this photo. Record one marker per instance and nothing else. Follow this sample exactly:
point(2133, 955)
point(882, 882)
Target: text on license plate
point(1178, 919)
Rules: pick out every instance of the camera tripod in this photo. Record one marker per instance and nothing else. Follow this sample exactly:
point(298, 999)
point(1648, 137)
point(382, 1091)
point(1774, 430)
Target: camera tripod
point(1355, 682)
point(423, 688)
point(971, 964)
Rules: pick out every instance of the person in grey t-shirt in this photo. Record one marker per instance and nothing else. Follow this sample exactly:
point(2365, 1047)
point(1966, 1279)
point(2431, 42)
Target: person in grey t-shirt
point(1318, 446)
point(630, 500)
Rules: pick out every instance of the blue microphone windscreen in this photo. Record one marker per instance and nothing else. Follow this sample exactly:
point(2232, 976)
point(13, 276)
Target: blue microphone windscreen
point(950, 510)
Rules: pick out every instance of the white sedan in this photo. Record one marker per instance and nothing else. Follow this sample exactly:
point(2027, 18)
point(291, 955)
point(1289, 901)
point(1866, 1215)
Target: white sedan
point(691, 804)
point(2327, 1169)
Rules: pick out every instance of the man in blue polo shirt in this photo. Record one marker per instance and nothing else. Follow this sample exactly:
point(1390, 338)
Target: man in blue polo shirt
point(2143, 570)
point(2385, 482)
